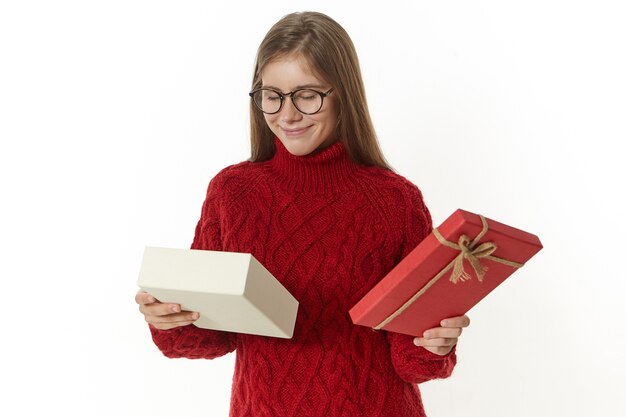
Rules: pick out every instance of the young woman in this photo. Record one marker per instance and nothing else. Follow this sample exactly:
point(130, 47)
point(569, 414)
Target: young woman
point(318, 206)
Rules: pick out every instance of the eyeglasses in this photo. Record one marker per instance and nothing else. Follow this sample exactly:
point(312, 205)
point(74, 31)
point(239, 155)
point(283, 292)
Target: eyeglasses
point(305, 100)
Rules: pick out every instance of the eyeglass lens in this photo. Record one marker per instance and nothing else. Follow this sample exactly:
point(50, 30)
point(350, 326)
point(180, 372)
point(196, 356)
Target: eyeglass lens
point(306, 101)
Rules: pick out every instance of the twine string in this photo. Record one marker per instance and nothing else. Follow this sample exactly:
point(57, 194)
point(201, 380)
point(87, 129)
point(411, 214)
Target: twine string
point(468, 250)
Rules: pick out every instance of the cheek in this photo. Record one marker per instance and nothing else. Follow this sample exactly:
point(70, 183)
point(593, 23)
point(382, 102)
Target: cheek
point(331, 118)
point(270, 120)
point(329, 122)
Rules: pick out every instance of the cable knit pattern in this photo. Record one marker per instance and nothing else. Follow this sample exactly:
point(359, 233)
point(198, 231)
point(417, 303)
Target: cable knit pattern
point(329, 230)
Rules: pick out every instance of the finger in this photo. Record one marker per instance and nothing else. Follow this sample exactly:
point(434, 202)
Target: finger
point(168, 326)
point(441, 351)
point(438, 342)
point(460, 321)
point(443, 332)
point(159, 309)
point(143, 297)
point(183, 317)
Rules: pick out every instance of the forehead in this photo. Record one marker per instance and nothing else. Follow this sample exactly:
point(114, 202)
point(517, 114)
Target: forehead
point(290, 72)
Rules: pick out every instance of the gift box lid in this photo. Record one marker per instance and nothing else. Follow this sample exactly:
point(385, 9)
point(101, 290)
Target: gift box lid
point(417, 294)
point(231, 291)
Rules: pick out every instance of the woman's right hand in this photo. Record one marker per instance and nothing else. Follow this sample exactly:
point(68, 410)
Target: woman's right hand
point(163, 316)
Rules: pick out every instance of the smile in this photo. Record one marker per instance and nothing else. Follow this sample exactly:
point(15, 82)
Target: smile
point(295, 132)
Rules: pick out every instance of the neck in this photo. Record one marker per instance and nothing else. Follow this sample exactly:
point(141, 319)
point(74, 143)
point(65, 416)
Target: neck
point(326, 171)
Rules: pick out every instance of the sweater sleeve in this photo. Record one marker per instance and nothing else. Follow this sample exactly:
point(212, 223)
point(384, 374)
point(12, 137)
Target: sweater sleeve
point(412, 363)
point(190, 341)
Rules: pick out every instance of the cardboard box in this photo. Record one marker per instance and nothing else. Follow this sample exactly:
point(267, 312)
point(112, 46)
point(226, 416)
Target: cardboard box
point(231, 291)
point(424, 288)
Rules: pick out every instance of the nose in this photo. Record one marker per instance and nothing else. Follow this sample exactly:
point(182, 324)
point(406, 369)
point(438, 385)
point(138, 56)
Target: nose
point(289, 112)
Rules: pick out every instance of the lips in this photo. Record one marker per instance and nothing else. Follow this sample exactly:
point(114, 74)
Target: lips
point(295, 131)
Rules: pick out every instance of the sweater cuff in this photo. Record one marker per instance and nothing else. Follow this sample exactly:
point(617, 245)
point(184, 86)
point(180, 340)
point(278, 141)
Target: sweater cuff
point(193, 342)
point(430, 356)
point(415, 364)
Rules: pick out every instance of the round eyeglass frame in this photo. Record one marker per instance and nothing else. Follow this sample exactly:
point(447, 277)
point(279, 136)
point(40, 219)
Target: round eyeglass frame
point(290, 94)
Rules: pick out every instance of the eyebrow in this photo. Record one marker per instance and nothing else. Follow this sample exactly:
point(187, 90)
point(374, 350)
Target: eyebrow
point(298, 87)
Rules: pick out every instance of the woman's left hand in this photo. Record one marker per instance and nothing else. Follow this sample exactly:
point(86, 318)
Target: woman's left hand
point(441, 340)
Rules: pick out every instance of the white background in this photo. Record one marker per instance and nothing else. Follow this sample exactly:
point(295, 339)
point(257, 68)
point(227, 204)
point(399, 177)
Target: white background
point(115, 115)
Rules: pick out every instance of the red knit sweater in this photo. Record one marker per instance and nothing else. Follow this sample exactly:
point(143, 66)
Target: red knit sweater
point(329, 230)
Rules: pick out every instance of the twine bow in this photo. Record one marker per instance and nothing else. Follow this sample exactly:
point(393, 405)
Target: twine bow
point(468, 250)
point(472, 253)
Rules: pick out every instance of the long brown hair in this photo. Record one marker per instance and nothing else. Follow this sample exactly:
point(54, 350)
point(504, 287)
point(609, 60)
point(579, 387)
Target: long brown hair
point(329, 50)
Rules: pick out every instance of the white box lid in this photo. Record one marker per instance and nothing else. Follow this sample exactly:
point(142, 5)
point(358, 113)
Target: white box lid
point(231, 291)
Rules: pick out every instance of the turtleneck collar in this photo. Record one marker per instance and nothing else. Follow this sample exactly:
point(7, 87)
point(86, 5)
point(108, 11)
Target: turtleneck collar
point(327, 171)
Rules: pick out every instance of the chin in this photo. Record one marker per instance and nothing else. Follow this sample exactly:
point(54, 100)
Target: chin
point(298, 147)
point(299, 151)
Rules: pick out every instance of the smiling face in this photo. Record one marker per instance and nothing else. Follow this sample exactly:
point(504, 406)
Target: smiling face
point(301, 134)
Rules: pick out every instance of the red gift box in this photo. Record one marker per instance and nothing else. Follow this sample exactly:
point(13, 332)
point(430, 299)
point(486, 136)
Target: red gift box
point(447, 274)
